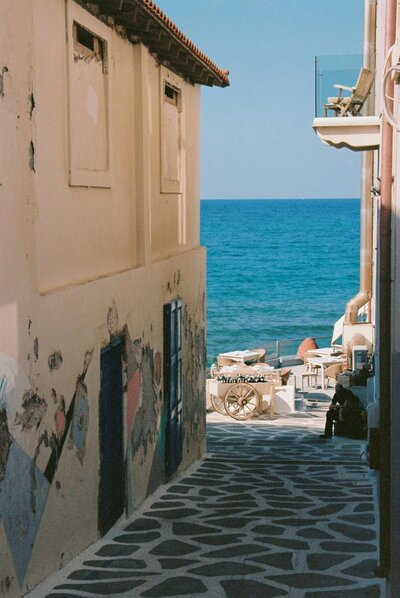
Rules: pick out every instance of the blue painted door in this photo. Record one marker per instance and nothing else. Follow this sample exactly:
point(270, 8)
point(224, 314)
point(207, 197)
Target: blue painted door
point(111, 425)
point(173, 383)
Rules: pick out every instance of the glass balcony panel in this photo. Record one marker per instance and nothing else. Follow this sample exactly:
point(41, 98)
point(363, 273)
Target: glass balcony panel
point(334, 70)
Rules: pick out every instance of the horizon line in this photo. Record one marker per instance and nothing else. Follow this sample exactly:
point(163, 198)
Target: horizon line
point(279, 198)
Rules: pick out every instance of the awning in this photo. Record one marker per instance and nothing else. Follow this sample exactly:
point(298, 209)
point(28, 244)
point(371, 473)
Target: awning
point(337, 330)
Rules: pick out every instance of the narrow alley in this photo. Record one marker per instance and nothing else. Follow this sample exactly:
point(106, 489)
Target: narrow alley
point(271, 511)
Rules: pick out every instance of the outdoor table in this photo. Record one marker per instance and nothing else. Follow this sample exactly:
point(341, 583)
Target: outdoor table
point(241, 356)
point(323, 362)
point(323, 352)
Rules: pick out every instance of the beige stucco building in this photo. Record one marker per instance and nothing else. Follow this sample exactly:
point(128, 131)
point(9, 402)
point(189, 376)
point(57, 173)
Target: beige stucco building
point(102, 281)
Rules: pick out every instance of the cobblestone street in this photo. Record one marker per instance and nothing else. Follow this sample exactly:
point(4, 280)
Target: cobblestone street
point(271, 511)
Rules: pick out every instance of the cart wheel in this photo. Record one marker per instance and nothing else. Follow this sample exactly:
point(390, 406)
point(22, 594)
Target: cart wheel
point(218, 404)
point(242, 401)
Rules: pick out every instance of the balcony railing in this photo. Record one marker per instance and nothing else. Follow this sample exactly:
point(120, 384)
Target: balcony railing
point(332, 70)
point(356, 131)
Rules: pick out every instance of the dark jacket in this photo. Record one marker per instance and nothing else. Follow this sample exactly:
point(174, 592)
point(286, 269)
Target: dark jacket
point(351, 419)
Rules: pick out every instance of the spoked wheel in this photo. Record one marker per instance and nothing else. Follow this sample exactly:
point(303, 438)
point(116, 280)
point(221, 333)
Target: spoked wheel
point(242, 401)
point(218, 404)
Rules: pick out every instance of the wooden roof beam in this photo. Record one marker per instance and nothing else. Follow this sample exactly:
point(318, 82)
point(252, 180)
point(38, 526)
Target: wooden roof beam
point(141, 23)
point(128, 17)
point(93, 8)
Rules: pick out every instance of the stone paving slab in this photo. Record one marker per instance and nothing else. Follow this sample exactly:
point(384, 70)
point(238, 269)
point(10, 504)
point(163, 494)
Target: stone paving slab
point(271, 511)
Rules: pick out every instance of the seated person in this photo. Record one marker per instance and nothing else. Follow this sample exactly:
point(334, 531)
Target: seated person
point(348, 414)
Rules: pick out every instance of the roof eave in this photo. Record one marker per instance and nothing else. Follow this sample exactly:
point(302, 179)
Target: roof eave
point(142, 20)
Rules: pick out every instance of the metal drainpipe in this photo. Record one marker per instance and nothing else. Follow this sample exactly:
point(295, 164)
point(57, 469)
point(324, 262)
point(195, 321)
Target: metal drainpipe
point(385, 284)
point(367, 162)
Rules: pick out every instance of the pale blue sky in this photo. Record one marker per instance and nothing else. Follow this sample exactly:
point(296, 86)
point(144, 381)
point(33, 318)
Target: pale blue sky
point(257, 140)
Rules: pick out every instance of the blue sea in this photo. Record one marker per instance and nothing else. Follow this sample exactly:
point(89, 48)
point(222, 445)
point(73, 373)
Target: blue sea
point(278, 269)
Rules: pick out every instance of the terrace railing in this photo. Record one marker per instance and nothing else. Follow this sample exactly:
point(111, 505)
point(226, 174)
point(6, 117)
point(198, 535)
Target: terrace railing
point(287, 347)
point(275, 350)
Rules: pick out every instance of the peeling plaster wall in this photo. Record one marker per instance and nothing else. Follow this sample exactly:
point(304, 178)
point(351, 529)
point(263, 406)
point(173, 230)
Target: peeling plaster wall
point(17, 183)
point(194, 407)
point(55, 430)
point(140, 325)
point(80, 271)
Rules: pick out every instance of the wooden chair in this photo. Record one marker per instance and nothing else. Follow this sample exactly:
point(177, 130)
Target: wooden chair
point(351, 104)
point(261, 354)
point(309, 366)
point(310, 377)
point(221, 361)
point(331, 373)
point(284, 374)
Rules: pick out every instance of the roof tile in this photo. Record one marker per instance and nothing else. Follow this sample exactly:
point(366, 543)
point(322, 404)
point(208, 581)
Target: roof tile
point(171, 25)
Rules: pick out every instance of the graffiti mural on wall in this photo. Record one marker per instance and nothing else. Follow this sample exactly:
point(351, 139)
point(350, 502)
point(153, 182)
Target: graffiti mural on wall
point(80, 421)
point(33, 410)
point(50, 426)
point(143, 418)
point(5, 441)
point(194, 383)
point(24, 487)
point(21, 501)
point(146, 409)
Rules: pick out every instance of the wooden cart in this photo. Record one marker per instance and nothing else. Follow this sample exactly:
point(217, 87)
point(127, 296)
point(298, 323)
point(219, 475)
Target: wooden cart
point(241, 399)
